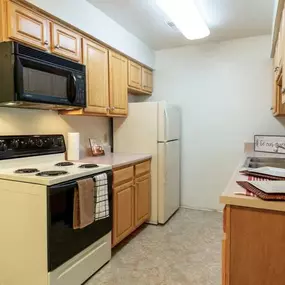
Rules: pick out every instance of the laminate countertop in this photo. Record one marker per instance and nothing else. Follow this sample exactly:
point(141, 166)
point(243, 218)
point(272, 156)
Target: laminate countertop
point(117, 159)
point(229, 197)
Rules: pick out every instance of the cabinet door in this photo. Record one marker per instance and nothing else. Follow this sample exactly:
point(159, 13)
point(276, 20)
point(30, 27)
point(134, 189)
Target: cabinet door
point(123, 207)
point(118, 84)
point(147, 80)
point(142, 200)
point(134, 75)
point(95, 57)
point(26, 26)
point(65, 42)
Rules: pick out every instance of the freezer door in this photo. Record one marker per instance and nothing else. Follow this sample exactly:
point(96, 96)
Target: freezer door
point(168, 179)
point(169, 121)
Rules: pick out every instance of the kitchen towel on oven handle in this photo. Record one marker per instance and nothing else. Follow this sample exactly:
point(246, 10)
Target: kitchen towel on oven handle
point(101, 209)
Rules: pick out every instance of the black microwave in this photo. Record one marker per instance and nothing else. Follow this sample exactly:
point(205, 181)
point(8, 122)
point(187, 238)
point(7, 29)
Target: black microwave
point(30, 78)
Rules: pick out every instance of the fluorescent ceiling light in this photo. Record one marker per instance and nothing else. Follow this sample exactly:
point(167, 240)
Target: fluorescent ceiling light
point(186, 17)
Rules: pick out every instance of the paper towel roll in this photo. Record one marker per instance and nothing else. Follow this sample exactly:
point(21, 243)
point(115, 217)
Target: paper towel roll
point(73, 146)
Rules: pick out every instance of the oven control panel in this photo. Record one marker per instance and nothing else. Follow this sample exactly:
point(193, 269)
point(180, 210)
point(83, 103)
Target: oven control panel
point(24, 146)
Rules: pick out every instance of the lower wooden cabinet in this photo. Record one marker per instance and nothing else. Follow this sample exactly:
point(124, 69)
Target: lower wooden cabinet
point(123, 214)
point(142, 200)
point(131, 201)
point(253, 246)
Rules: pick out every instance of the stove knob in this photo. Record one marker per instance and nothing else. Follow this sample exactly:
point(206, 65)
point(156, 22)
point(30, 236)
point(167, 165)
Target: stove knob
point(23, 144)
point(3, 146)
point(39, 142)
point(15, 143)
point(31, 142)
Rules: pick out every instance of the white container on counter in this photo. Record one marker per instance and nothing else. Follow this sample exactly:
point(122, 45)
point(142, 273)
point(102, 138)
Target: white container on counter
point(73, 146)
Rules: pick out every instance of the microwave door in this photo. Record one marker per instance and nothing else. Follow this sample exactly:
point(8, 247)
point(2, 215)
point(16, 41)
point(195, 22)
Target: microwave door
point(41, 82)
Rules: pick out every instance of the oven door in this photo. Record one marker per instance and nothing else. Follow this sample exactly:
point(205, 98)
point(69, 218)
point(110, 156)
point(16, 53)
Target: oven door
point(40, 82)
point(63, 241)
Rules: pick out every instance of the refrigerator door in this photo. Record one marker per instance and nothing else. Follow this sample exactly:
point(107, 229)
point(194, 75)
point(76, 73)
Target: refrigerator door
point(169, 120)
point(138, 134)
point(168, 179)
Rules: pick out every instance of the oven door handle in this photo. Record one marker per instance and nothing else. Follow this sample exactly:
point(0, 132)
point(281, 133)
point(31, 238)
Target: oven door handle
point(60, 188)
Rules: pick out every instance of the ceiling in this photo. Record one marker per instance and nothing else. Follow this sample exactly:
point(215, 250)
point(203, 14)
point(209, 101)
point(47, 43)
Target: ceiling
point(227, 19)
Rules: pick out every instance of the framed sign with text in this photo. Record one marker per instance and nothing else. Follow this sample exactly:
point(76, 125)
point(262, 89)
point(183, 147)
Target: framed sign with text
point(269, 143)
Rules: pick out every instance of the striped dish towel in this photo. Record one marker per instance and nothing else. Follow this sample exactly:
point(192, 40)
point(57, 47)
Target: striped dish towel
point(101, 209)
point(245, 192)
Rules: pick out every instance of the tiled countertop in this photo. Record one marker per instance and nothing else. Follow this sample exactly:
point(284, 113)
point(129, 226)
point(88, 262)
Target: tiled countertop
point(117, 159)
point(228, 197)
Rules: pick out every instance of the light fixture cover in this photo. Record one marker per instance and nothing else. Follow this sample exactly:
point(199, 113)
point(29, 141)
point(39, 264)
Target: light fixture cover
point(186, 17)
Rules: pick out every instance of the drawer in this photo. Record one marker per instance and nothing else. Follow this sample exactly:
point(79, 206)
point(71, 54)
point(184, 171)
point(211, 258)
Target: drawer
point(142, 168)
point(123, 175)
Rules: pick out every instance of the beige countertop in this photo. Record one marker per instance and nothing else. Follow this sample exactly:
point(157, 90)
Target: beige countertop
point(117, 159)
point(229, 198)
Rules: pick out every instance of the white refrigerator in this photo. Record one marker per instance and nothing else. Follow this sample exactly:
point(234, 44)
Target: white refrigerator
point(154, 128)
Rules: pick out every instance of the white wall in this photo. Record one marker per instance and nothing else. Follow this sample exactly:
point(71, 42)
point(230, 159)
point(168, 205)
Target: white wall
point(25, 122)
point(88, 18)
point(225, 92)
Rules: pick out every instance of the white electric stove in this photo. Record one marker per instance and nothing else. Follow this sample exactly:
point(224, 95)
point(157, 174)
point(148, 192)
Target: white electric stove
point(38, 244)
point(47, 170)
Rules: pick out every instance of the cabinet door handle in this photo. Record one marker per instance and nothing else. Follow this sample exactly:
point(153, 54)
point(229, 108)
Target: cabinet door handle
point(57, 46)
point(46, 43)
point(283, 90)
point(108, 108)
point(271, 108)
point(113, 108)
point(276, 68)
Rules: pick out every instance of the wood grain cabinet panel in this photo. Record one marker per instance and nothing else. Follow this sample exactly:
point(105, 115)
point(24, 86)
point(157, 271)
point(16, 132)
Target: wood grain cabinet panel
point(65, 42)
point(123, 217)
point(142, 168)
point(147, 81)
point(142, 200)
point(118, 70)
point(27, 26)
point(95, 57)
point(134, 75)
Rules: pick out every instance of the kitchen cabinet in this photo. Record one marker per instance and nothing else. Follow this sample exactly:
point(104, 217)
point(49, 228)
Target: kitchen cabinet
point(278, 98)
point(65, 42)
point(95, 57)
point(26, 26)
point(139, 79)
point(118, 70)
point(147, 84)
point(123, 214)
point(131, 202)
point(108, 90)
point(134, 75)
point(253, 246)
point(142, 200)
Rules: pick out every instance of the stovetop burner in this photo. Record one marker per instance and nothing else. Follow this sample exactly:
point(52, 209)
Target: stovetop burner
point(65, 163)
point(88, 165)
point(27, 170)
point(51, 173)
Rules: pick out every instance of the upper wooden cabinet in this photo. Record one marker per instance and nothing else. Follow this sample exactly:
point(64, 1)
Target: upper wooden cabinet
point(147, 80)
point(26, 26)
point(118, 84)
point(134, 75)
point(139, 79)
point(65, 42)
point(95, 57)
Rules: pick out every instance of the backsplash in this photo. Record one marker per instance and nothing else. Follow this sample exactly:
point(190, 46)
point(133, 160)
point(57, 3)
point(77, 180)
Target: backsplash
point(25, 122)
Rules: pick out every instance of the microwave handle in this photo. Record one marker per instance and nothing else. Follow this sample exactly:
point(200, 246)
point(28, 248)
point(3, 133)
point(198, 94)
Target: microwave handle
point(72, 88)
